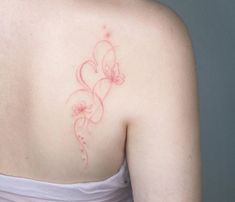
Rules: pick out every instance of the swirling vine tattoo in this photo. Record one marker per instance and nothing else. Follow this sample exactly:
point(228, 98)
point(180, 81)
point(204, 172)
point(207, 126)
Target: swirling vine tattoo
point(87, 101)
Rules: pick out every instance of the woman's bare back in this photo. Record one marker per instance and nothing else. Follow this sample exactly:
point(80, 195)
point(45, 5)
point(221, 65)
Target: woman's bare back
point(85, 83)
point(63, 91)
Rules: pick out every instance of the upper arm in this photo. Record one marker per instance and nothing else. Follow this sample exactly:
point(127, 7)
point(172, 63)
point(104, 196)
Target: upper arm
point(163, 139)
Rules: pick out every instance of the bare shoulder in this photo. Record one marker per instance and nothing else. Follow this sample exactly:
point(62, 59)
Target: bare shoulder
point(159, 46)
point(156, 16)
point(165, 26)
point(163, 143)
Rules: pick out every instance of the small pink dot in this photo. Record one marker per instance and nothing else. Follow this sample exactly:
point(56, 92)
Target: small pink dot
point(107, 35)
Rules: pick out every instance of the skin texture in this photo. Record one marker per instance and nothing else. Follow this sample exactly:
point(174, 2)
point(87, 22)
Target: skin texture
point(84, 83)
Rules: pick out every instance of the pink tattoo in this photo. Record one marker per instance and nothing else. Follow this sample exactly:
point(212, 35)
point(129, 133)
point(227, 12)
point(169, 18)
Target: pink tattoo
point(96, 76)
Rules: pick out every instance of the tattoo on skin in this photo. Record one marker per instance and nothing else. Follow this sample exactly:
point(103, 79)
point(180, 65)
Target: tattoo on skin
point(95, 77)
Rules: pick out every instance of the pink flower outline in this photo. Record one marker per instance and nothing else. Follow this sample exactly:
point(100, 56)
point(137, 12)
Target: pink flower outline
point(113, 74)
point(81, 108)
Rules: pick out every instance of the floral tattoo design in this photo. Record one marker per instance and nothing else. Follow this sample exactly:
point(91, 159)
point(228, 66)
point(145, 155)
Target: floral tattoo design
point(95, 77)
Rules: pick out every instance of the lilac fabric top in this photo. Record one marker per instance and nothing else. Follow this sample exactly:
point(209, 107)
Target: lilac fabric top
point(116, 188)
